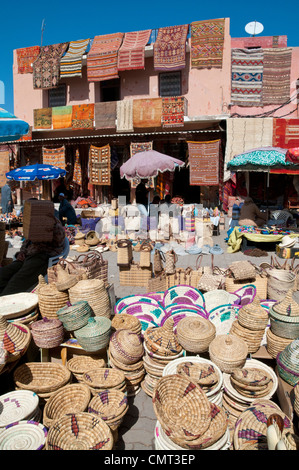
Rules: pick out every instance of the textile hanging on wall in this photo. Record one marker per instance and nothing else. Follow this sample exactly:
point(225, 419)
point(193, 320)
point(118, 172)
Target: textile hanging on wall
point(147, 112)
point(137, 147)
point(207, 39)
point(47, 65)
point(170, 48)
point(42, 118)
point(105, 115)
point(244, 134)
point(54, 157)
point(25, 58)
point(247, 77)
point(102, 57)
point(99, 165)
point(71, 62)
point(77, 174)
point(277, 75)
point(4, 163)
point(204, 163)
point(62, 117)
point(131, 52)
point(286, 133)
point(83, 116)
point(173, 111)
point(124, 115)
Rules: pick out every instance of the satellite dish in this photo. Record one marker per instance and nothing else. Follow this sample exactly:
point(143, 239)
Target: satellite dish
point(254, 27)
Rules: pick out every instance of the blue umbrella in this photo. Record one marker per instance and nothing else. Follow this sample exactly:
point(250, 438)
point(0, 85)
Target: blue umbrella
point(11, 128)
point(39, 171)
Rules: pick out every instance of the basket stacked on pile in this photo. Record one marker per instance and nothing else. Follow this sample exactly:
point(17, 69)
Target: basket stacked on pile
point(95, 293)
point(124, 321)
point(296, 399)
point(23, 435)
point(195, 334)
point(228, 352)
point(242, 273)
point(19, 405)
point(125, 354)
point(21, 307)
point(65, 280)
point(74, 317)
point(284, 317)
point(186, 416)
point(50, 299)
point(100, 380)
point(288, 364)
point(15, 339)
point(78, 365)
point(94, 336)
point(48, 333)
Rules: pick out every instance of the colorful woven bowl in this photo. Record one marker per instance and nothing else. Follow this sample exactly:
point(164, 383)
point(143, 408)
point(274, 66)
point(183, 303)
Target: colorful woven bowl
point(132, 299)
point(23, 435)
point(183, 294)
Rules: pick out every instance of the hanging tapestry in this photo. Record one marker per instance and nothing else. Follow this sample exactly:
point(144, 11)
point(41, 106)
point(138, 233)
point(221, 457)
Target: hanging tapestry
point(55, 157)
point(207, 39)
point(71, 62)
point(99, 165)
point(243, 134)
point(147, 112)
point(137, 147)
point(131, 52)
point(62, 117)
point(173, 111)
point(26, 57)
point(4, 164)
point(77, 174)
point(105, 115)
point(170, 48)
point(102, 57)
point(83, 116)
point(204, 163)
point(124, 116)
point(247, 77)
point(277, 75)
point(46, 67)
point(42, 118)
point(285, 133)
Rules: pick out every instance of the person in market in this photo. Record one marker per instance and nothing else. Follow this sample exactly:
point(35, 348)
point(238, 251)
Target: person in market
point(66, 211)
point(7, 198)
point(251, 215)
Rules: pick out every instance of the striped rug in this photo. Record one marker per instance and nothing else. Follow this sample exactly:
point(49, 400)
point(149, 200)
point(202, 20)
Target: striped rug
point(131, 52)
point(247, 77)
point(286, 133)
point(54, 157)
point(207, 39)
point(277, 75)
point(204, 163)
point(124, 116)
point(170, 48)
point(71, 62)
point(102, 57)
point(26, 57)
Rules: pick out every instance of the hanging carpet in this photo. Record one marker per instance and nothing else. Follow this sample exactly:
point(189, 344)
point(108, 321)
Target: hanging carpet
point(83, 116)
point(47, 65)
point(286, 133)
point(62, 117)
point(204, 163)
point(102, 57)
point(25, 58)
point(42, 118)
point(147, 112)
point(137, 147)
point(247, 77)
point(71, 62)
point(4, 163)
point(131, 52)
point(124, 115)
point(55, 157)
point(170, 48)
point(277, 75)
point(77, 174)
point(173, 111)
point(207, 39)
point(99, 165)
point(105, 115)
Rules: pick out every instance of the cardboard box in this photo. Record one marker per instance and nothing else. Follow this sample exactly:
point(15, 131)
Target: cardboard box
point(287, 253)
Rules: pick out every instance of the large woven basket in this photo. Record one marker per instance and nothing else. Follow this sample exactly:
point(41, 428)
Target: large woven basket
point(228, 352)
point(95, 335)
point(65, 280)
point(71, 398)
point(78, 365)
point(124, 252)
point(111, 406)
point(75, 316)
point(134, 275)
point(183, 294)
point(126, 346)
point(284, 325)
point(195, 333)
point(162, 340)
point(287, 363)
point(95, 293)
point(79, 431)
point(132, 299)
point(23, 435)
point(48, 333)
point(16, 339)
point(280, 281)
point(253, 338)
point(242, 270)
point(50, 300)
point(275, 344)
point(260, 283)
point(145, 254)
point(102, 379)
point(253, 316)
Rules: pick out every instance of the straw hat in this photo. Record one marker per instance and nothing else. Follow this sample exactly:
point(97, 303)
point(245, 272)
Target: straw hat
point(287, 242)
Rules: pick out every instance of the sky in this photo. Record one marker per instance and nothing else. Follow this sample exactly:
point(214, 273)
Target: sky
point(64, 21)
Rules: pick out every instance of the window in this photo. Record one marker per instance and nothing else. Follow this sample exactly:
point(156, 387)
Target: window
point(57, 96)
point(110, 90)
point(170, 84)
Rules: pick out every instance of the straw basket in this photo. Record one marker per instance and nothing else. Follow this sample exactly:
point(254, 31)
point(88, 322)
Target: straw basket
point(78, 365)
point(126, 346)
point(79, 238)
point(23, 435)
point(159, 258)
point(99, 380)
point(134, 275)
point(91, 238)
point(162, 340)
point(16, 339)
point(123, 321)
point(252, 338)
point(14, 306)
point(242, 270)
point(65, 280)
point(287, 363)
point(280, 281)
point(229, 352)
point(95, 293)
point(195, 334)
point(296, 399)
point(111, 406)
point(284, 326)
point(50, 299)
point(95, 335)
point(145, 254)
point(47, 333)
point(216, 297)
point(260, 283)
point(74, 317)
point(170, 261)
point(183, 294)
point(71, 398)
point(124, 252)
point(93, 264)
point(79, 431)
point(275, 344)
point(18, 405)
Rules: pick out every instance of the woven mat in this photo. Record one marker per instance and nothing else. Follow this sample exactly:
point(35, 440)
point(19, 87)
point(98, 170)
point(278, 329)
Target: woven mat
point(247, 77)
point(207, 38)
point(99, 165)
point(173, 111)
point(131, 52)
point(71, 62)
point(102, 57)
point(277, 75)
point(47, 66)
point(204, 163)
point(124, 114)
point(4, 164)
point(25, 58)
point(170, 48)
point(137, 147)
point(42, 118)
point(83, 116)
point(147, 112)
point(54, 157)
point(105, 115)
point(286, 133)
point(62, 117)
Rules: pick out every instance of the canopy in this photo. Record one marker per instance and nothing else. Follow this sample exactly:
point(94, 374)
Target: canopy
point(260, 159)
point(11, 128)
point(38, 171)
point(148, 164)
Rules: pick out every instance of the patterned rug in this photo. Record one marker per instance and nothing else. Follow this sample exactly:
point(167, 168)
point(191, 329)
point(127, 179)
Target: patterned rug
point(131, 52)
point(277, 75)
point(26, 57)
point(99, 165)
point(102, 57)
point(105, 115)
point(170, 48)
point(207, 38)
point(62, 117)
point(47, 65)
point(54, 157)
point(173, 111)
point(4, 163)
point(124, 115)
point(147, 113)
point(204, 163)
point(247, 77)
point(83, 116)
point(42, 118)
point(285, 133)
point(71, 62)
point(77, 174)
point(137, 147)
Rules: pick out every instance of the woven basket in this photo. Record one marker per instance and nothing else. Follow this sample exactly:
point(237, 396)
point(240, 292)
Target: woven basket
point(18, 405)
point(223, 317)
point(94, 265)
point(253, 338)
point(242, 270)
point(253, 316)
point(287, 363)
point(75, 316)
point(126, 346)
point(280, 282)
point(16, 338)
point(215, 298)
point(23, 435)
point(124, 252)
point(157, 283)
point(78, 365)
point(68, 266)
point(102, 379)
point(65, 280)
point(145, 254)
point(283, 325)
point(275, 344)
point(170, 262)
point(260, 283)
point(95, 335)
point(91, 238)
point(159, 258)
point(162, 340)
point(79, 238)
point(79, 431)
point(183, 294)
point(195, 334)
point(71, 398)
point(123, 321)
point(47, 333)
point(50, 300)
point(134, 275)
point(111, 406)
point(287, 306)
point(229, 352)
point(132, 299)
point(95, 293)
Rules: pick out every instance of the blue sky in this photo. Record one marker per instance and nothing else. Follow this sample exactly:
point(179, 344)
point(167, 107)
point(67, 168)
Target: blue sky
point(71, 20)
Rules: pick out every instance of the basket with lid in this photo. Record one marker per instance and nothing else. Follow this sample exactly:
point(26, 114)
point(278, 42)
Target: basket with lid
point(95, 335)
point(228, 351)
point(48, 333)
point(253, 316)
point(284, 317)
point(195, 333)
point(288, 364)
point(126, 346)
point(75, 316)
point(163, 340)
point(95, 293)
point(124, 321)
point(50, 299)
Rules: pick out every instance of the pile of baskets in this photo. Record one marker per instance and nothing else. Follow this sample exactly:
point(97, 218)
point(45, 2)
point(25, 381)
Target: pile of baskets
point(95, 335)
point(95, 293)
point(195, 334)
point(15, 339)
point(228, 352)
point(103, 379)
point(287, 363)
point(50, 299)
point(21, 307)
point(78, 365)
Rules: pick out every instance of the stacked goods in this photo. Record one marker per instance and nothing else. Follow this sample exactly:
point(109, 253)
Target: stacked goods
point(95, 293)
point(148, 313)
point(125, 354)
point(228, 352)
point(287, 363)
point(18, 405)
point(38, 220)
point(15, 338)
point(79, 238)
point(47, 333)
point(23, 435)
point(16, 306)
point(78, 365)
point(223, 317)
point(195, 334)
point(74, 317)
point(50, 299)
point(275, 344)
point(284, 317)
point(94, 336)
point(124, 321)
point(100, 380)
point(181, 294)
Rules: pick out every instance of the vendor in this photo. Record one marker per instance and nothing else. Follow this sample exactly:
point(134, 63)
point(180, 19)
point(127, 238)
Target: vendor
point(7, 198)
point(67, 211)
point(251, 215)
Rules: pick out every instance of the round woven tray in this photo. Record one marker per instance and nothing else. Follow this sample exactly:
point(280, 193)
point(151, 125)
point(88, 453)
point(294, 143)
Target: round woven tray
point(183, 293)
point(17, 405)
point(173, 308)
point(217, 297)
point(17, 305)
point(123, 321)
point(195, 333)
point(103, 379)
point(111, 406)
point(79, 431)
point(126, 346)
point(41, 378)
point(23, 435)
point(223, 317)
point(145, 310)
point(47, 333)
point(228, 352)
point(132, 299)
point(80, 364)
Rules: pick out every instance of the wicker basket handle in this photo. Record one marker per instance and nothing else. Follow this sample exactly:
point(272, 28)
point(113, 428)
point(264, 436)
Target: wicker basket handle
point(198, 262)
point(123, 243)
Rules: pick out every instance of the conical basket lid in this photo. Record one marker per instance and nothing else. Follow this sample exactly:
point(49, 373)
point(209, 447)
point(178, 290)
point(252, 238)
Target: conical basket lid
point(288, 306)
